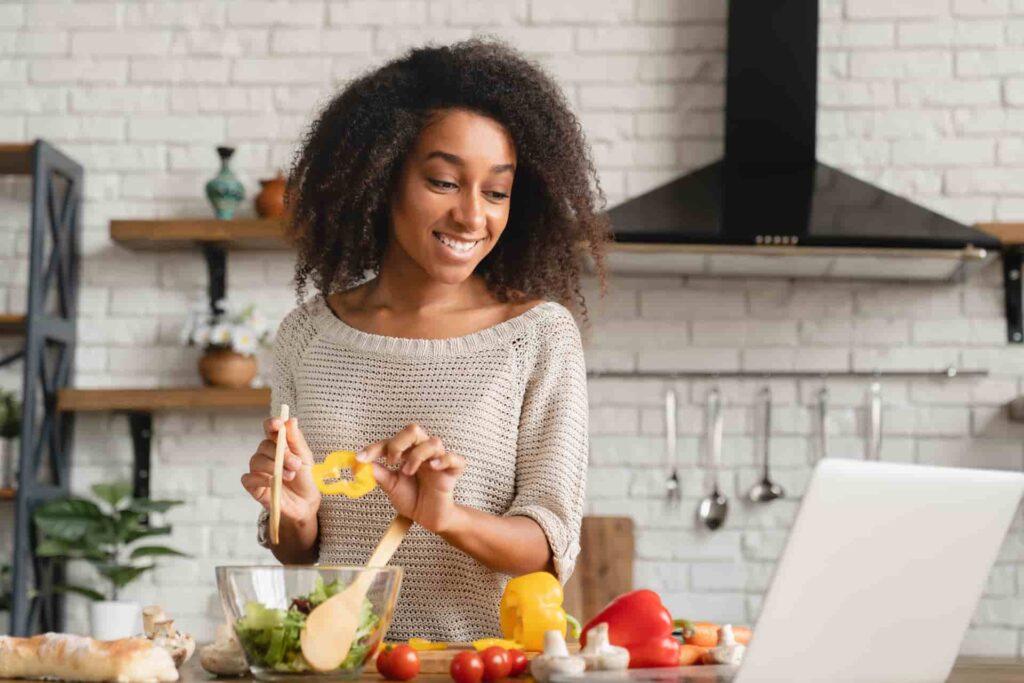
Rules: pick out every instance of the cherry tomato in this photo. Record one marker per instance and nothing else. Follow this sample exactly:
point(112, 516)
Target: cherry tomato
point(467, 667)
point(518, 661)
point(383, 663)
point(402, 664)
point(496, 663)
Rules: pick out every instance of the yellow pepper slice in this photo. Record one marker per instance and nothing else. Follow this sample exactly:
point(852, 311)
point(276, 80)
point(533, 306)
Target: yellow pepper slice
point(362, 481)
point(531, 605)
point(484, 643)
point(422, 644)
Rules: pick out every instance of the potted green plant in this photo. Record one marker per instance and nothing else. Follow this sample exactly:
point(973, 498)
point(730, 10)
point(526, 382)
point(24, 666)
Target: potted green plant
point(10, 430)
point(107, 535)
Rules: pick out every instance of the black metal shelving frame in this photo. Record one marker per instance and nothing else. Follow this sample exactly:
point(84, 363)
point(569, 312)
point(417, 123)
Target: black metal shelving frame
point(48, 359)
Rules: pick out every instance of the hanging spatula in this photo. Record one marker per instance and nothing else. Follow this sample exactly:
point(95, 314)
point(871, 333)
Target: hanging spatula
point(331, 626)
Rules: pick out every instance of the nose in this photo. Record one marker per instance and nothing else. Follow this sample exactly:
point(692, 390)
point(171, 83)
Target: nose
point(469, 213)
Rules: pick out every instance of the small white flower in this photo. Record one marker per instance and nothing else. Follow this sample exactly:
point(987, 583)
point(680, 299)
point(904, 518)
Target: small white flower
point(220, 334)
point(201, 335)
point(243, 340)
point(258, 322)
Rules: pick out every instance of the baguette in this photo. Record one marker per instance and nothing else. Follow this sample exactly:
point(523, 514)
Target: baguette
point(76, 658)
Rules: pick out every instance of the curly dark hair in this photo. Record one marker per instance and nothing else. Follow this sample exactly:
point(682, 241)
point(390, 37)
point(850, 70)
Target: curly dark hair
point(341, 182)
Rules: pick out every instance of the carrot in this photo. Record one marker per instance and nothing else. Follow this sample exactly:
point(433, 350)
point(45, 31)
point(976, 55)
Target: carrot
point(691, 654)
point(701, 633)
point(708, 657)
point(742, 634)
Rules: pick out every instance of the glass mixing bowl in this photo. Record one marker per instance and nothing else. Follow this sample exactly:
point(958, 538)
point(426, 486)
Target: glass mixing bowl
point(267, 606)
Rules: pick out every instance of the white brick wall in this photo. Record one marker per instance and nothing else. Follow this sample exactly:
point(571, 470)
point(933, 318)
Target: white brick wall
point(924, 97)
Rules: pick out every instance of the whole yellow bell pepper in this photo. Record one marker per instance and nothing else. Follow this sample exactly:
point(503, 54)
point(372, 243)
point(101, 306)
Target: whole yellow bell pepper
point(362, 481)
point(531, 605)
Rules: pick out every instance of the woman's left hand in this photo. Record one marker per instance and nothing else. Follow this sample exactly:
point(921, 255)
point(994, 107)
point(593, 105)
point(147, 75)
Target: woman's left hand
point(422, 489)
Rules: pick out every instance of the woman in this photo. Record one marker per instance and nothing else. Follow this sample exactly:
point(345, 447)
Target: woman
point(460, 179)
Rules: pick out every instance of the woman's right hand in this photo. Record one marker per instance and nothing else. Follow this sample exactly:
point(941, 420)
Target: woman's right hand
point(300, 498)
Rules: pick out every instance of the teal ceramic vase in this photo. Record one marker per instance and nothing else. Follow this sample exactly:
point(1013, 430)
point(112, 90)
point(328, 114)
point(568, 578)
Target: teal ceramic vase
point(224, 190)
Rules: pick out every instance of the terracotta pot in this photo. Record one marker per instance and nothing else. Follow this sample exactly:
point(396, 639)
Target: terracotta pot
point(270, 201)
point(225, 368)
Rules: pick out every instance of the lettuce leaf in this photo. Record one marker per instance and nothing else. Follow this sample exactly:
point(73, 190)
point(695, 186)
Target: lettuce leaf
point(272, 637)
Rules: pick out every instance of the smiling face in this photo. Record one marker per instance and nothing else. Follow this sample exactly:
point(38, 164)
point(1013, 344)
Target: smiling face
point(453, 195)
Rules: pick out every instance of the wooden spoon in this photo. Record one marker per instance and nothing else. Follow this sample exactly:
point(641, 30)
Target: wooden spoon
point(275, 491)
point(331, 626)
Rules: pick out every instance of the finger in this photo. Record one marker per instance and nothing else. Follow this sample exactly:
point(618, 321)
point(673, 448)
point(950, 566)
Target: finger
point(386, 479)
point(259, 463)
point(411, 436)
point(429, 449)
point(271, 426)
point(449, 463)
point(268, 449)
point(297, 442)
point(258, 487)
point(372, 452)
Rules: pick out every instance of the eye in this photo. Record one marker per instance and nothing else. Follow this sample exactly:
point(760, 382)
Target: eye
point(498, 196)
point(442, 184)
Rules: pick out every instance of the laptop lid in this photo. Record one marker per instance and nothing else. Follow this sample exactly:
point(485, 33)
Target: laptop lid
point(881, 573)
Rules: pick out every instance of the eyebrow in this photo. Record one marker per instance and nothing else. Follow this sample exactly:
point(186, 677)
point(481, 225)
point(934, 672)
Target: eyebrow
point(458, 161)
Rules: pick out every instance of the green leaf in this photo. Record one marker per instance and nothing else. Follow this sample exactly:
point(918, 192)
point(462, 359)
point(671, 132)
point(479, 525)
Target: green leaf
point(54, 547)
point(121, 575)
point(145, 532)
point(80, 590)
point(145, 505)
point(155, 550)
point(68, 519)
point(113, 493)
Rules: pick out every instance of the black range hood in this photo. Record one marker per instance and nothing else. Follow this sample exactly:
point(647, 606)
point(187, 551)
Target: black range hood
point(770, 196)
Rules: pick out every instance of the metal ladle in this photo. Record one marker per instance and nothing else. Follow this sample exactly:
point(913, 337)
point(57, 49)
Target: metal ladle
point(766, 490)
point(714, 508)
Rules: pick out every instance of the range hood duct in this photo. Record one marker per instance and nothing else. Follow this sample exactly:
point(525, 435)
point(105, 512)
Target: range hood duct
point(769, 197)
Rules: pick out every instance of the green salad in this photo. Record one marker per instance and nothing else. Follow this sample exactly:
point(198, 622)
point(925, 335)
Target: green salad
point(271, 636)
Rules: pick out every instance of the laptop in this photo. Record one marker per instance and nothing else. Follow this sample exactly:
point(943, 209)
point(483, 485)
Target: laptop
point(880, 575)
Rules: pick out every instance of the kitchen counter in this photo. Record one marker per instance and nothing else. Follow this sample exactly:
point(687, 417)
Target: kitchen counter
point(967, 670)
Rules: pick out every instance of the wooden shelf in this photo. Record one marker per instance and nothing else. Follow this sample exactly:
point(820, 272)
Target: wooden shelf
point(8, 494)
point(1007, 233)
point(16, 159)
point(180, 233)
point(12, 325)
point(148, 400)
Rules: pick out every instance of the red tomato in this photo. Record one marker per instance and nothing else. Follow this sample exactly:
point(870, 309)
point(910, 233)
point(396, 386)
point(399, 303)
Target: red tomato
point(467, 667)
point(496, 663)
point(383, 665)
point(518, 661)
point(402, 664)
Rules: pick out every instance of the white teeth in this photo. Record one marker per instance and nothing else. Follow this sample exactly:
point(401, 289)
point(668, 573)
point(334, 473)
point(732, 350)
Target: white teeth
point(455, 245)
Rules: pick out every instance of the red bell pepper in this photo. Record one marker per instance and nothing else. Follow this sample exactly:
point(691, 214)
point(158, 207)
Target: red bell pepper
point(639, 622)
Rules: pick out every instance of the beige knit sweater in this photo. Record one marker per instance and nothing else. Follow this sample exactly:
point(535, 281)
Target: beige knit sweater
point(511, 399)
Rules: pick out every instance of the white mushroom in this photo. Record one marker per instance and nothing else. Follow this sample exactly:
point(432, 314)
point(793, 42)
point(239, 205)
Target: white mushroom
point(601, 655)
point(555, 660)
point(225, 656)
point(160, 629)
point(728, 651)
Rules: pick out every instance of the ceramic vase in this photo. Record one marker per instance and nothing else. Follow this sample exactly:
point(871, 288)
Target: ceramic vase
point(113, 619)
point(226, 368)
point(270, 201)
point(224, 190)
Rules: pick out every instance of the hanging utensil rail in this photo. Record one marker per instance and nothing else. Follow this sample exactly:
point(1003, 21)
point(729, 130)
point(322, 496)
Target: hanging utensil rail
point(948, 373)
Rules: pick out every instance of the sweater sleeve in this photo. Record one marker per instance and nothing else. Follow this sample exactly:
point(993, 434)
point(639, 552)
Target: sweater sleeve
point(551, 458)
